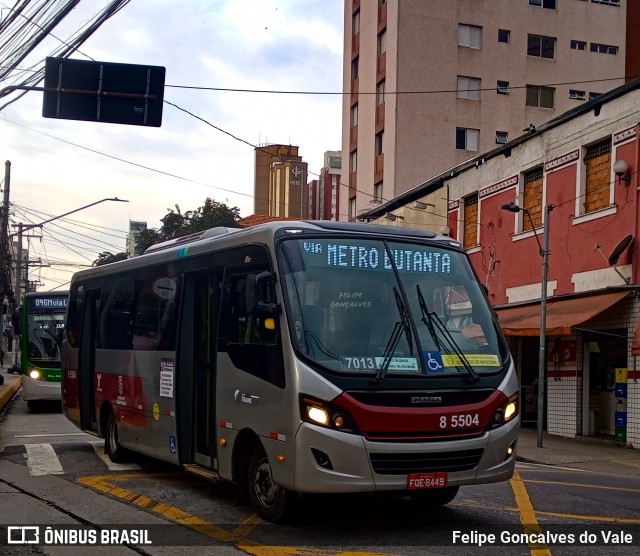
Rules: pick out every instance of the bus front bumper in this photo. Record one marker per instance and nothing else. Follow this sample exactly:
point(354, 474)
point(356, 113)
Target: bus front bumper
point(39, 389)
point(350, 460)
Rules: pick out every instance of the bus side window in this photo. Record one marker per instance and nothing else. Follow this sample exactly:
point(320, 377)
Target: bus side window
point(115, 321)
point(245, 328)
point(251, 342)
point(154, 322)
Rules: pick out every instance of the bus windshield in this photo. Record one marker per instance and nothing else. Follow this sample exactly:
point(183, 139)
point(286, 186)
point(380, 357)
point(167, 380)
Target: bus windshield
point(44, 337)
point(361, 306)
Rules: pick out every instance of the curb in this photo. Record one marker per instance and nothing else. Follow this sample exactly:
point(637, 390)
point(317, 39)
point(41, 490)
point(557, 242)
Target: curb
point(9, 392)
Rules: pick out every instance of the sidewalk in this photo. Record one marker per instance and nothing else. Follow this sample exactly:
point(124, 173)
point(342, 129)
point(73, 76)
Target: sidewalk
point(583, 452)
point(12, 383)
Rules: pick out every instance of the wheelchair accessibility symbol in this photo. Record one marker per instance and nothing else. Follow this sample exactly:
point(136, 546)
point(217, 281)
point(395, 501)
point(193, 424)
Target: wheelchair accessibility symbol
point(433, 361)
point(172, 445)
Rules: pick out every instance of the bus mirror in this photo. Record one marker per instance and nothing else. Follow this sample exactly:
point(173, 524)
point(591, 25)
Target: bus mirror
point(256, 294)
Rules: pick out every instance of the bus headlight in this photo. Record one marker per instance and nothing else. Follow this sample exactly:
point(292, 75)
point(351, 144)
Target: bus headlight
point(325, 414)
point(35, 374)
point(507, 412)
point(318, 415)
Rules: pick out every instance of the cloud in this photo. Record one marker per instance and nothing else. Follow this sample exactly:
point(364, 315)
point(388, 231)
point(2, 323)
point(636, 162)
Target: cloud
point(286, 45)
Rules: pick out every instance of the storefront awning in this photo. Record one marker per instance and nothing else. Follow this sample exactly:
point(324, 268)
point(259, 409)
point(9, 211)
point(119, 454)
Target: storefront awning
point(562, 315)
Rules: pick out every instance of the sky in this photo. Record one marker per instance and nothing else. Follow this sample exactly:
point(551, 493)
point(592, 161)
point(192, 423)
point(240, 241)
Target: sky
point(58, 166)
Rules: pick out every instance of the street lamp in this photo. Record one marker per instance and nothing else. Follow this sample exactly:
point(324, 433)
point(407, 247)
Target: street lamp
point(22, 228)
point(544, 253)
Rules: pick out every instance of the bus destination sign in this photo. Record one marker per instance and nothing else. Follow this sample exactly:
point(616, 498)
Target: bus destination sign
point(49, 302)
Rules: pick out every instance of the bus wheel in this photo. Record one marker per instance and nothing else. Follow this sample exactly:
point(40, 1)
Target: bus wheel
point(116, 453)
point(271, 501)
point(435, 497)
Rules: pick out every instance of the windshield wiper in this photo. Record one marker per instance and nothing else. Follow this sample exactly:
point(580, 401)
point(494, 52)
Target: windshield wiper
point(427, 319)
point(403, 325)
point(432, 321)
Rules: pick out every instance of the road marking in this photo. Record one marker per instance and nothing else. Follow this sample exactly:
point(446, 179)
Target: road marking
point(545, 467)
point(581, 485)
point(600, 519)
point(42, 460)
point(203, 527)
point(527, 514)
point(98, 447)
point(52, 434)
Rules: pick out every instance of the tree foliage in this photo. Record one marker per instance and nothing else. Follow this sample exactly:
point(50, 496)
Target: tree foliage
point(107, 257)
point(178, 224)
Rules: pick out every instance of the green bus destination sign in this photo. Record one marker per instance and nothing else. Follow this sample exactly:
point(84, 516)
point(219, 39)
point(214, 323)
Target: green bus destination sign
point(377, 258)
point(53, 302)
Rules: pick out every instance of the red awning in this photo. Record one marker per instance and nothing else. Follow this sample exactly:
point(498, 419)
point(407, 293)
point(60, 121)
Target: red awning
point(562, 315)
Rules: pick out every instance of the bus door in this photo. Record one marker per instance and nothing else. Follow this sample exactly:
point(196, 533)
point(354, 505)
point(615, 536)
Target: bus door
point(86, 361)
point(197, 370)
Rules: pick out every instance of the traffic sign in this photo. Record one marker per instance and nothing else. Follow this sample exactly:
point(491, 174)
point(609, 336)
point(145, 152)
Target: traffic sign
point(103, 92)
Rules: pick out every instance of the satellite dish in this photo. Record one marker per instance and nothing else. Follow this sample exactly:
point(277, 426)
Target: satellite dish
point(619, 249)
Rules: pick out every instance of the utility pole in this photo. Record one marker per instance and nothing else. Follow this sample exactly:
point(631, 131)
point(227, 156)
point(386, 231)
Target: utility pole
point(19, 267)
point(5, 206)
point(4, 238)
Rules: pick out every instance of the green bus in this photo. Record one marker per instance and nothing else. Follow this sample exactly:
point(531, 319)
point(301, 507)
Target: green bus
point(40, 322)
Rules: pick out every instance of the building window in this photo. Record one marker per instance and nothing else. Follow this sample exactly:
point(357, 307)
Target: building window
point(469, 36)
point(355, 63)
point(577, 95)
point(609, 2)
point(354, 115)
point(353, 161)
point(532, 198)
point(382, 42)
point(502, 137)
point(380, 93)
point(540, 97)
point(593, 95)
point(467, 139)
point(597, 190)
point(377, 192)
point(470, 232)
point(355, 22)
point(503, 87)
point(352, 208)
point(379, 143)
point(504, 35)
point(550, 4)
point(603, 48)
point(541, 46)
point(468, 88)
point(578, 45)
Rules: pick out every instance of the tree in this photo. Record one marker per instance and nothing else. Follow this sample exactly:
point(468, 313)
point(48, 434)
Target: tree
point(176, 224)
point(107, 257)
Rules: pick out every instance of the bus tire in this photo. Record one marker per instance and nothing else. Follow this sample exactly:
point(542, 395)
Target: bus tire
point(270, 501)
point(116, 453)
point(435, 497)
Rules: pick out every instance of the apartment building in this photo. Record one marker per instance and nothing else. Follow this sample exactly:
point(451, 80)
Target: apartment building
point(430, 84)
point(136, 227)
point(323, 192)
point(280, 185)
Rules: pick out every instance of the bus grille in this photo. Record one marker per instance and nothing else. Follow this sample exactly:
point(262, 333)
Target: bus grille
point(421, 436)
point(402, 464)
